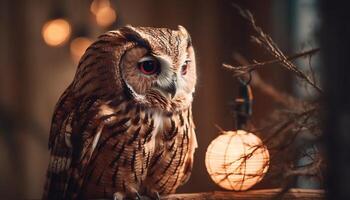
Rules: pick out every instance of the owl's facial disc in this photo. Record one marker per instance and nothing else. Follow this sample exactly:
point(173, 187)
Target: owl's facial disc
point(160, 70)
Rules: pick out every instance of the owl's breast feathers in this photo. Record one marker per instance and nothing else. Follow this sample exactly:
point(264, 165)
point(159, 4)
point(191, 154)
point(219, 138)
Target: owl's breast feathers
point(111, 144)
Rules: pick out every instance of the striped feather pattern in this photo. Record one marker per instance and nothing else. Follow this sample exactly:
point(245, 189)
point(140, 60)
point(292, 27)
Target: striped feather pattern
point(106, 139)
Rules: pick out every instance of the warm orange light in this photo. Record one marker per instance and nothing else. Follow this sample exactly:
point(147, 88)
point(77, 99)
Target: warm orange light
point(96, 5)
point(237, 160)
point(104, 13)
point(78, 47)
point(105, 16)
point(56, 32)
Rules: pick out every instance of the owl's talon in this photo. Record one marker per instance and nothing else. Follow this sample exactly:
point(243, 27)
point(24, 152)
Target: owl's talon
point(152, 195)
point(138, 196)
point(157, 196)
point(118, 196)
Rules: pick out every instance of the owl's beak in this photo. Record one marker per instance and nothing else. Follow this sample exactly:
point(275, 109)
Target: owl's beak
point(167, 82)
point(172, 87)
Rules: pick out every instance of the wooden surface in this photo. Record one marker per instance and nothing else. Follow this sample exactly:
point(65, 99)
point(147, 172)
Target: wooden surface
point(252, 194)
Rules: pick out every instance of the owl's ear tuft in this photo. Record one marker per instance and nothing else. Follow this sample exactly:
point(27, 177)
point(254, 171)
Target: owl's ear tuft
point(182, 30)
point(129, 26)
point(129, 30)
point(185, 33)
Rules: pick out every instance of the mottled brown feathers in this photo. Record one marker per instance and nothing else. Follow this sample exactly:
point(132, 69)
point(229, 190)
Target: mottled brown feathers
point(116, 131)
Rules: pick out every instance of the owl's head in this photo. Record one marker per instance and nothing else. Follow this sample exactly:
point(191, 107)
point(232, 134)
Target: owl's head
point(153, 66)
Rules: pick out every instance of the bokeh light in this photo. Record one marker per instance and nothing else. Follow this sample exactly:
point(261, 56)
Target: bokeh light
point(78, 47)
point(56, 32)
point(105, 16)
point(104, 13)
point(96, 5)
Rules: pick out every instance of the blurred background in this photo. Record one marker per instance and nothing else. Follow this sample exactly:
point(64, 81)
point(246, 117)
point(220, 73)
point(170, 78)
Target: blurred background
point(37, 64)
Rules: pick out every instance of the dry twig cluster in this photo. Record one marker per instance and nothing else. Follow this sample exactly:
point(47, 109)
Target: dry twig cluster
point(298, 118)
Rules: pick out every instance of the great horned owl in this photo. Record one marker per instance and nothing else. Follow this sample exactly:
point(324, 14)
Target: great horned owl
point(124, 126)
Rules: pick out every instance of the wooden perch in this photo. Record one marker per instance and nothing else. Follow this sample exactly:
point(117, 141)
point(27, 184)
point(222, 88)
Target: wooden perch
point(251, 195)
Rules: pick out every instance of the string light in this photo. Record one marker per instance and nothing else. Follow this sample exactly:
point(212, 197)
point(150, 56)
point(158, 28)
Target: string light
point(56, 32)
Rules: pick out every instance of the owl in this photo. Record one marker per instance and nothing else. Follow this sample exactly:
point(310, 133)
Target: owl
point(123, 128)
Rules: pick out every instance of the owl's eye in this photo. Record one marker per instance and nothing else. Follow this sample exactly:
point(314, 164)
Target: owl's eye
point(148, 66)
point(184, 67)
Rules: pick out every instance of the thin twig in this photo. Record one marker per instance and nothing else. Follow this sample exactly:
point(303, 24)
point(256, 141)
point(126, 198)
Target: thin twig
point(249, 67)
point(279, 96)
point(265, 41)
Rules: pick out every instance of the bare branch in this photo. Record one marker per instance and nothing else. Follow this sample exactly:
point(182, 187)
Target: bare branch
point(279, 96)
point(246, 68)
point(265, 41)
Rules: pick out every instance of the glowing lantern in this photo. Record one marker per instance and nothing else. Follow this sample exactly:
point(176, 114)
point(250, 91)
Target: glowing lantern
point(78, 47)
point(237, 160)
point(56, 32)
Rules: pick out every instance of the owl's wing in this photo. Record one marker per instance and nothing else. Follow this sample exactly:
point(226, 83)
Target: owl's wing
point(62, 176)
point(60, 148)
point(188, 162)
